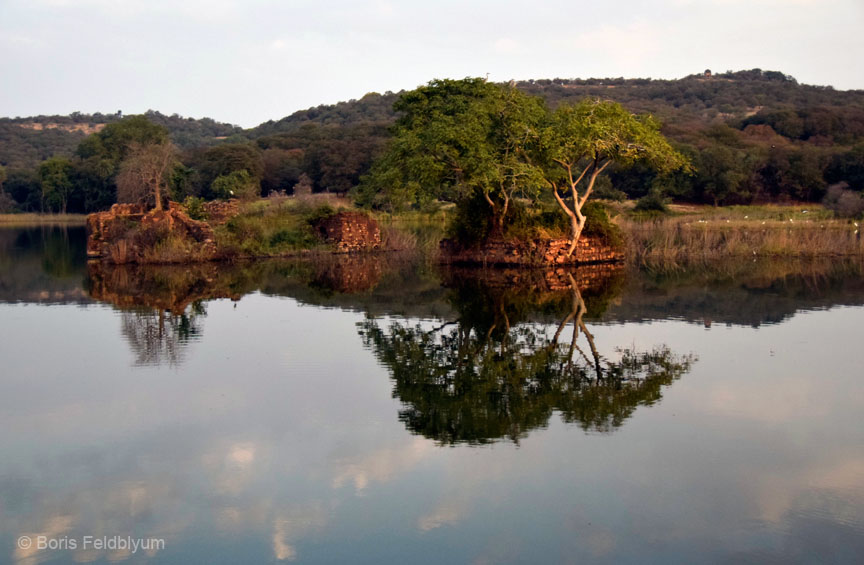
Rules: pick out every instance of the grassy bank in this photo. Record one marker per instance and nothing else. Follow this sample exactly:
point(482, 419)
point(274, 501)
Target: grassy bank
point(43, 219)
point(283, 226)
point(273, 227)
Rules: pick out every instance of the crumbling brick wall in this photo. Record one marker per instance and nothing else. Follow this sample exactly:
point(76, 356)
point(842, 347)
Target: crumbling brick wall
point(350, 231)
point(588, 250)
point(123, 232)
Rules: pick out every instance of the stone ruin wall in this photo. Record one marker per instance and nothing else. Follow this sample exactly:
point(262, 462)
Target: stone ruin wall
point(538, 252)
point(350, 232)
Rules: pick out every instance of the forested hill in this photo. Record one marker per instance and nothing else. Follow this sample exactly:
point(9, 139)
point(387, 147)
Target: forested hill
point(25, 142)
point(751, 135)
point(728, 97)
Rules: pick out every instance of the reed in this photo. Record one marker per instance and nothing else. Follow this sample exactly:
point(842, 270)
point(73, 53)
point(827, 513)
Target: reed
point(413, 232)
point(683, 240)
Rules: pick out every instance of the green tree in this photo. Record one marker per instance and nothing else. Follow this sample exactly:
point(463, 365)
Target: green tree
point(720, 173)
point(57, 186)
point(96, 179)
point(236, 184)
point(582, 140)
point(7, 203)
point(223, 160)
point(24, 186)
point(115, 140)
point(455, 139)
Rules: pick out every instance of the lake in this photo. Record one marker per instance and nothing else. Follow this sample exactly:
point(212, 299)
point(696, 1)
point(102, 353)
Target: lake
point(388, 410)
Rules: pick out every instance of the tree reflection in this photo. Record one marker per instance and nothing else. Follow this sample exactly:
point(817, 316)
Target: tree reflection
point(499, 370)
point(158, 337)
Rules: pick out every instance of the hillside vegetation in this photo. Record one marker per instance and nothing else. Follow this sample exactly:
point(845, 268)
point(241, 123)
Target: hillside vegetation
point(752, 136)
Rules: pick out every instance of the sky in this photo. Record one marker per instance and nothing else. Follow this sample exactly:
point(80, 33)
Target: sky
point(249, 61)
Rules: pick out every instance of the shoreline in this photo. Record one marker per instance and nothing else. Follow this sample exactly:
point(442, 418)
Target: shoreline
point(32, 219)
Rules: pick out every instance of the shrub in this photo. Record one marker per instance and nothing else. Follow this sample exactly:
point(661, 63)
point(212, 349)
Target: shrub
point(843, 202)
point(318, 213)
point(195, 208)
point(599, 225)
point(238, 184)
point(652, 203)
point(149, 236)
point(472, 222)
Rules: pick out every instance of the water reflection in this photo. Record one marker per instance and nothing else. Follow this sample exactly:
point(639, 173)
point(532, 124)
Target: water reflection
point(741, 292)
point(42, 264)
point(162, 307)
point(498, 372)
point(276, 435)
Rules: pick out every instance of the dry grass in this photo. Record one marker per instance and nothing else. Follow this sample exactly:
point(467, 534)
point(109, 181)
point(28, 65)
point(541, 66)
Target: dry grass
point(414, 232)
point(175, 249)
point(322, 199)
point(685, 239)
point(43, 219)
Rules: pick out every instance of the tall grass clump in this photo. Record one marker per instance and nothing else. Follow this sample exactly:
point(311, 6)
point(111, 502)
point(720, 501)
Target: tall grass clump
point(682, 240)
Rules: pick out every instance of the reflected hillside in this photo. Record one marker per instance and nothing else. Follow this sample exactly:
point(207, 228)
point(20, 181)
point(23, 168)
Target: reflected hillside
point(42, 264)
point(495, 373)
point(748, 293)
point(375, 284)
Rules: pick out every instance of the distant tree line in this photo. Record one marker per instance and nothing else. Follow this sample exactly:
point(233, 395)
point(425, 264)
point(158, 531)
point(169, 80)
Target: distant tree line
point(751, 136)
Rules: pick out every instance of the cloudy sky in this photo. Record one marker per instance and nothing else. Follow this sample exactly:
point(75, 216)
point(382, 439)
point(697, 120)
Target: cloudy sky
point(248, 61)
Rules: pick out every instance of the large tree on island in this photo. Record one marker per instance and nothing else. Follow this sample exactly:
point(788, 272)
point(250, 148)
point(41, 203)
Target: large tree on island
point(460, 139)
point(456, 139)
point(580, 141)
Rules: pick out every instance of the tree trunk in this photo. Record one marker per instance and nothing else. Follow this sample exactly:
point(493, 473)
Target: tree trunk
point(577, 224)
point(157, 191)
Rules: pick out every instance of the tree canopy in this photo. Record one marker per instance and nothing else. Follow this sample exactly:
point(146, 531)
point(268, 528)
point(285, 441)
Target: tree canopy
point(580, 141)
point(460, 139)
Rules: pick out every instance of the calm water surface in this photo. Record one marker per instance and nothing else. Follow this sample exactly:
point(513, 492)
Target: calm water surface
point(373, 411)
